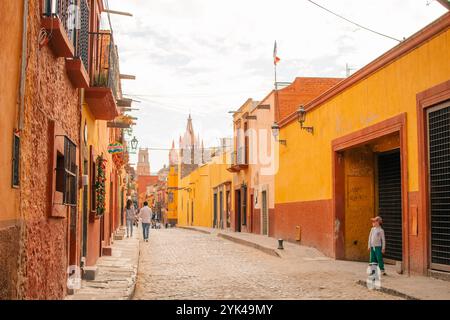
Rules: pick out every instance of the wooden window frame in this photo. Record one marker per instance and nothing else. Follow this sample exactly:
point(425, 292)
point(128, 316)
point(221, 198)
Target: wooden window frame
point(58, 198)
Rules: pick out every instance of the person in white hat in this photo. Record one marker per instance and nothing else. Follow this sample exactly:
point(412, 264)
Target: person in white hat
point(377, 243)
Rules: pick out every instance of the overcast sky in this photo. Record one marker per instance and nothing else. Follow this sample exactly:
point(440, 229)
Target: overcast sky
point(207, 57)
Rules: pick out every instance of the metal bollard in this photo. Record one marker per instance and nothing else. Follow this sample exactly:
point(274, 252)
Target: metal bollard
point(280, 244)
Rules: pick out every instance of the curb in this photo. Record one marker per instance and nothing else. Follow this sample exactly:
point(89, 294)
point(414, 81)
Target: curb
point(133, 290)
point(194, 229)
point(390, 291)
point(266, 250)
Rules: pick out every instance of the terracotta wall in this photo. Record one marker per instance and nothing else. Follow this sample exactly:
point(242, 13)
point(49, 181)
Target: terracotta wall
point(313, 217)
point(49, 96)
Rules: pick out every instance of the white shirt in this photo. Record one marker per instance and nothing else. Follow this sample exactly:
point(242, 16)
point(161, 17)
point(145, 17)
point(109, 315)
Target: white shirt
point(145, 214)
point(376, 238)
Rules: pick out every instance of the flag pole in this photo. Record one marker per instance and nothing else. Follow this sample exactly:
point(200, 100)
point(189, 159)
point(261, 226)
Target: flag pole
point(277, 106)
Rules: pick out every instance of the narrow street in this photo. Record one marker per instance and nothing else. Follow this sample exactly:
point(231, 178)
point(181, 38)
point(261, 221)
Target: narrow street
point(184, 264)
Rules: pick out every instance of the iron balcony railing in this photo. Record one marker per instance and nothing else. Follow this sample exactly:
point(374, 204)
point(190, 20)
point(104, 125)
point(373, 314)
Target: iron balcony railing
point(74, 16)
point(82, 47)
point(66, 12)
point(238, 156)
point(105, 71)
point(241, 159)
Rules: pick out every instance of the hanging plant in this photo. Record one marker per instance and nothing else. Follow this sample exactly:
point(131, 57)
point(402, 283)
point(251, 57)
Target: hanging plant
point(100, 185)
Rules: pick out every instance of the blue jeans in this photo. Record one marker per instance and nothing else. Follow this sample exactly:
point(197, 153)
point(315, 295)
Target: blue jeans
point(145, 229)
point(130, 227)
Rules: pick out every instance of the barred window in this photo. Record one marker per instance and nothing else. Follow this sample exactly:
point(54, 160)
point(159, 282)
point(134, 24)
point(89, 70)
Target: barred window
point(16, 161)
point(70, 172)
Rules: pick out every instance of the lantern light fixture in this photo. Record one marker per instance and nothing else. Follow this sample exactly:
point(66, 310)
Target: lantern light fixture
point(301, 117)
point(276, 133)
point(134, 144)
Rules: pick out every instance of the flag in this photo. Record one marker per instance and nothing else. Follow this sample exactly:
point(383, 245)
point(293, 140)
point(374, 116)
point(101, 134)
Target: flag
point(275, 57)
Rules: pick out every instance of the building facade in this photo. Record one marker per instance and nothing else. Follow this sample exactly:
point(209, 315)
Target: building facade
point(51, 90)
point(379, 147)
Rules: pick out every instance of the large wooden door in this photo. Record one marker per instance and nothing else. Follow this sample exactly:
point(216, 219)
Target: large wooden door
point(237, 210)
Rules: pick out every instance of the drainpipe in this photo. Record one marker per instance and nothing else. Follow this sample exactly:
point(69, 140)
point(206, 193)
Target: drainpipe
point(21, 279)
point(23, 66)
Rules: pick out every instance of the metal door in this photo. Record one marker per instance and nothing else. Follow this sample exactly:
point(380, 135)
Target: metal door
point(390, 202)
point(215, 210)
point(439, 185)
point(264, 213)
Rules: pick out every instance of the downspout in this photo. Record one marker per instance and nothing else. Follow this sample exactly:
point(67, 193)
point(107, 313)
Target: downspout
point(23, 66)
point(21, 279)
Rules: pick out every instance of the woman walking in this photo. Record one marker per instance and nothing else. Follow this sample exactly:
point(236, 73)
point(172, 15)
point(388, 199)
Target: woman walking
point(130, 214)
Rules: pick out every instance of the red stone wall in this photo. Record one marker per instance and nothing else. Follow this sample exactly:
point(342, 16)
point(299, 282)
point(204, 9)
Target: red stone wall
point(9, 251)
point(256, 225)
point(314, 218)
point(418, 260)
point(49, 96)
point(143, 182)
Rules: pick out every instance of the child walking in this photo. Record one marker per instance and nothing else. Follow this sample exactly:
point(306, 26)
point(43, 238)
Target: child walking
point(377, 243)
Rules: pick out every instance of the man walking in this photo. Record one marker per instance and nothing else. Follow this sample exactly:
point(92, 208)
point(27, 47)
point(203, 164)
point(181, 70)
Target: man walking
point(146, 215)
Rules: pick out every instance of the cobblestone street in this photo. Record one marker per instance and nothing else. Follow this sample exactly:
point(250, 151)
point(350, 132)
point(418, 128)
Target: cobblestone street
point(184, 264)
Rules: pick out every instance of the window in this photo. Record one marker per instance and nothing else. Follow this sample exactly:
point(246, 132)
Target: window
point(244, 204)
point(66, 173)
point(170, 197)
point(16, 161)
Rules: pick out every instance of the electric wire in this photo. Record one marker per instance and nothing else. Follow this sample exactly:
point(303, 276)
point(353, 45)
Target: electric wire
point(352, 22)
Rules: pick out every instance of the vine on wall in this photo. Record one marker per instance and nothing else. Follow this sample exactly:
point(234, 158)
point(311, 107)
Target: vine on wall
point(100, 185)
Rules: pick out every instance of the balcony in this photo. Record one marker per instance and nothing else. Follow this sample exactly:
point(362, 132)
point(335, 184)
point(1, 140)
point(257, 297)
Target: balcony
point(59, 22)
point(102, 93)
point(238, 160)
point(77, 67)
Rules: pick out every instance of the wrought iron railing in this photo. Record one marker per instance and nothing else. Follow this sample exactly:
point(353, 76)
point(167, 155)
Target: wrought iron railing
point(82, 48)
point(66, 11)
point(106, 66)
point(241, 159)
point(238, 157)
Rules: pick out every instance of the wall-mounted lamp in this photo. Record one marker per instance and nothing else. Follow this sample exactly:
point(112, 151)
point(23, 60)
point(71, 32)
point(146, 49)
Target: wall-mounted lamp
point(301, 117)
point(276, 133)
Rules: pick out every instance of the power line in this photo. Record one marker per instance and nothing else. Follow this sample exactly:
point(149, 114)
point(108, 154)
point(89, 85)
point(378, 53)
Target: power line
point(352, 22)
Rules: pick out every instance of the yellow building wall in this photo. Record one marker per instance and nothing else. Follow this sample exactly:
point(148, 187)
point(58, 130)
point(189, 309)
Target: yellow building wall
point(197, 189)
point(172, 187)
point(11, 13)
point(98, 137)
point(387, 93)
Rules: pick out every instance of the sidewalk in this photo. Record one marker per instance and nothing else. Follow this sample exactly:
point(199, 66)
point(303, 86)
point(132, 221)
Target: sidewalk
point(116, 278)
point(413, 287)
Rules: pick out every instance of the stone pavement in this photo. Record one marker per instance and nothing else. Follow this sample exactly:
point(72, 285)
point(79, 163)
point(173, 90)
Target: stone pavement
point(409, 287)
point(183, 264)
point(116, 278)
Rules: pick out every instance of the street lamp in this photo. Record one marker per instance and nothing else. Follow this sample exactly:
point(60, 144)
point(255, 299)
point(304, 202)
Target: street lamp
point(301, 117)
point(276, 133)
point(134, 144)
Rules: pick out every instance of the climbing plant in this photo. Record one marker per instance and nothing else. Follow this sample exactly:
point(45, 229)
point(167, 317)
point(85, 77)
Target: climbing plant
point(100, 185)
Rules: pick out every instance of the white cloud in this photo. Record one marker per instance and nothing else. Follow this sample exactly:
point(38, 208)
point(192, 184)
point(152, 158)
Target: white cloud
point(209, 56)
